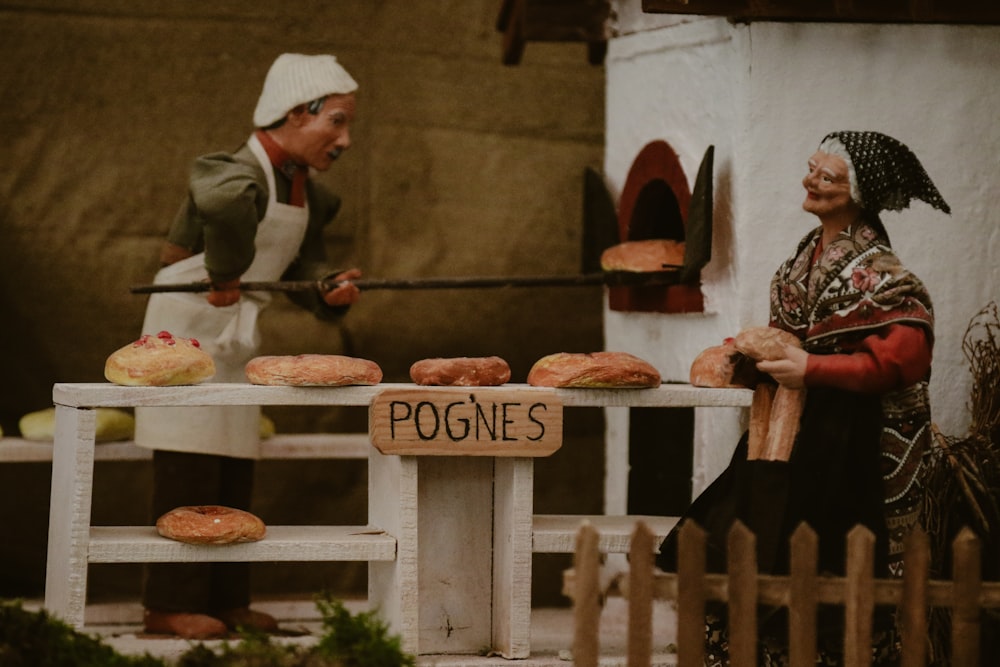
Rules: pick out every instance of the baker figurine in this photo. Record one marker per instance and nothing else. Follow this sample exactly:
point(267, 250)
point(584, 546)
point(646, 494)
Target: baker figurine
point(251, 215)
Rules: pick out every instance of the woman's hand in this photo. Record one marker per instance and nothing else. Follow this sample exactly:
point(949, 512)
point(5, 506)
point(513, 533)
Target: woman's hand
point(789, 371)
point(345, 293)
point(224, 294)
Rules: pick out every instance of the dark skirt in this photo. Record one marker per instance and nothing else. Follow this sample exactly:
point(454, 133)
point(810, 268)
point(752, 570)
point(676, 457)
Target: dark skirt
point(832, 482)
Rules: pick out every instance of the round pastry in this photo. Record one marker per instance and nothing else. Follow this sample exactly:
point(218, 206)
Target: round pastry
point(312, 370)
point(765, 343)
point(643, 256)
point(110, 424)
point(608, 370)
point(159, 361)
point(210, 524)
point(723, 366)
point(461, 372)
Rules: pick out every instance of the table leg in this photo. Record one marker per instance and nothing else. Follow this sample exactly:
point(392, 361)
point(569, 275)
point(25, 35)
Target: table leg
point(392, 506)
point(69, 514)
point(512, 554)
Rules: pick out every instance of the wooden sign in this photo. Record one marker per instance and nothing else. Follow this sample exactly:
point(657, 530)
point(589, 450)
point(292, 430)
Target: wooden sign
point(465, 422)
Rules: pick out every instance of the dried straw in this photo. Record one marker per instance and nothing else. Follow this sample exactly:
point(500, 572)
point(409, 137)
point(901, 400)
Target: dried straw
point(962, 482)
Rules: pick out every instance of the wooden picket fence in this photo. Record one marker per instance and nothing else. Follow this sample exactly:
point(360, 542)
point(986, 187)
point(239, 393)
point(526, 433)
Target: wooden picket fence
point(801, 591)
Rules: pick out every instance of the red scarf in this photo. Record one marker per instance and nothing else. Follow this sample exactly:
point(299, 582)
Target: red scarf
point(283, 162)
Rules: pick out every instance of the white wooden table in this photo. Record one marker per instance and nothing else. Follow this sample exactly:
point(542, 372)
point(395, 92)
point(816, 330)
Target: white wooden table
point(449, 539)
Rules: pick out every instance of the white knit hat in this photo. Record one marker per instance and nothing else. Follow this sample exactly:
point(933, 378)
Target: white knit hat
point(295, 79)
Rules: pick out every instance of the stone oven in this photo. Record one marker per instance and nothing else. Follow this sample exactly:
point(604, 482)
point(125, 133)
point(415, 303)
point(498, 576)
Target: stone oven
point(763, 85)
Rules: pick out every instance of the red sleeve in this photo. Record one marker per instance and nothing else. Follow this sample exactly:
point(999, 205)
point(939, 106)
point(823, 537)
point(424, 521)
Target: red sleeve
point(898, 356)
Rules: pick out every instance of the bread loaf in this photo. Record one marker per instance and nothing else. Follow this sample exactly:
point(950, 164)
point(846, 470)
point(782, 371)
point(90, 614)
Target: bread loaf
point(461, 372)
point(723, 366)
point(760, 420)
point(158, 361)
point(312, 370)
point(593, 370)
point(786, 414)
point(765, 343)
point(210, 524)
point(643, 256)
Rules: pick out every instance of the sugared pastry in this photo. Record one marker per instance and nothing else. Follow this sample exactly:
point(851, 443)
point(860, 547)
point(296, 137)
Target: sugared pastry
point(159, 361)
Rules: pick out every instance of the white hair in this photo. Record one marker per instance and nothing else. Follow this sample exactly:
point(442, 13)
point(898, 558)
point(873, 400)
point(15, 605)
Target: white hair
point(833, 146)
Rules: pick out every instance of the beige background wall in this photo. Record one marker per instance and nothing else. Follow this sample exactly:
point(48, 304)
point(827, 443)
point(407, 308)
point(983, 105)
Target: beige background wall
point(460, 166)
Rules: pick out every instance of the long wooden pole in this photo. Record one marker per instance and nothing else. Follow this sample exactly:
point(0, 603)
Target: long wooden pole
point(610, 278)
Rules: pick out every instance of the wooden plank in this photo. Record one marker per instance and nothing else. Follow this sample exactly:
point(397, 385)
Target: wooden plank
point(455, 558)
point(513, 500)
point(640, 599)
point(465, 422)
point(884, 11)
point(92, 395)
point(913, 610)
point(586, 599)
point(566, 20)
point(392, 506)
point(829, 590)
point(859, 600)
point(965, 613)
point(802, 602)
point(556, 533)
point(315, 446)
point(279, 446)
point(69, 514)
point(741, 556)
point(142, 544)
point(511, 24)
point(691, 595)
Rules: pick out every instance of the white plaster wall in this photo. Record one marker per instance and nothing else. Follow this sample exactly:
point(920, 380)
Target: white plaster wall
point(764, 94)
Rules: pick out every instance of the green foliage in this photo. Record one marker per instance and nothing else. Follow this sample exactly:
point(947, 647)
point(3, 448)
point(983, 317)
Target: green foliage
point(35, 639)
point(360, 640)
point(254, 650)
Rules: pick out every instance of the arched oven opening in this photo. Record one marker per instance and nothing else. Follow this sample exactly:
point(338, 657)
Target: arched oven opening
point(656, 203)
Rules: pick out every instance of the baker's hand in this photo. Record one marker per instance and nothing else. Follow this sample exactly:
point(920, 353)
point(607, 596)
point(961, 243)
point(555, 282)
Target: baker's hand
point(789, 371)
point(225, 293)
point(344, 292)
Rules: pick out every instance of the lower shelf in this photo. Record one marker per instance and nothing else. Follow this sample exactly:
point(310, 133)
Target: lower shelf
point(556, 533)
point(280, 446)
point(142, 544)
point(551, 533)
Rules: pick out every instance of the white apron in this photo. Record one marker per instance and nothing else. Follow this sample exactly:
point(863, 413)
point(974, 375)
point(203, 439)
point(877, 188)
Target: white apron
point(230, 334)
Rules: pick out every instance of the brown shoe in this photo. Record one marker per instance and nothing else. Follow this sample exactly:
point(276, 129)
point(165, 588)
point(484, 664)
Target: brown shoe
point(183, 624)
point(245, 618)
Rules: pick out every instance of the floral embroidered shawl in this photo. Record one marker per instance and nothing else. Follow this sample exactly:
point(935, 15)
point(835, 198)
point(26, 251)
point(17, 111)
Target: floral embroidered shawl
point(856, 286)
point(832, 302)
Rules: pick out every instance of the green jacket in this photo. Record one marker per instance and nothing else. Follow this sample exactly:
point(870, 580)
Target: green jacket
point(227, 198)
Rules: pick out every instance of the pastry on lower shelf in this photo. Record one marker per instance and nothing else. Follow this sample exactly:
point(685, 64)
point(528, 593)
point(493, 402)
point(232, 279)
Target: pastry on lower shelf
point(111, 424)
point(210, 524)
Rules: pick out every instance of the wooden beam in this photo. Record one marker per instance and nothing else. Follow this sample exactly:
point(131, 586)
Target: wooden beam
point(868, 11)
point(523, 21)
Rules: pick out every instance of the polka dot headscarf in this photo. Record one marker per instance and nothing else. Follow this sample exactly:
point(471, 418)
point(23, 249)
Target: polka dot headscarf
point(888, 174)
